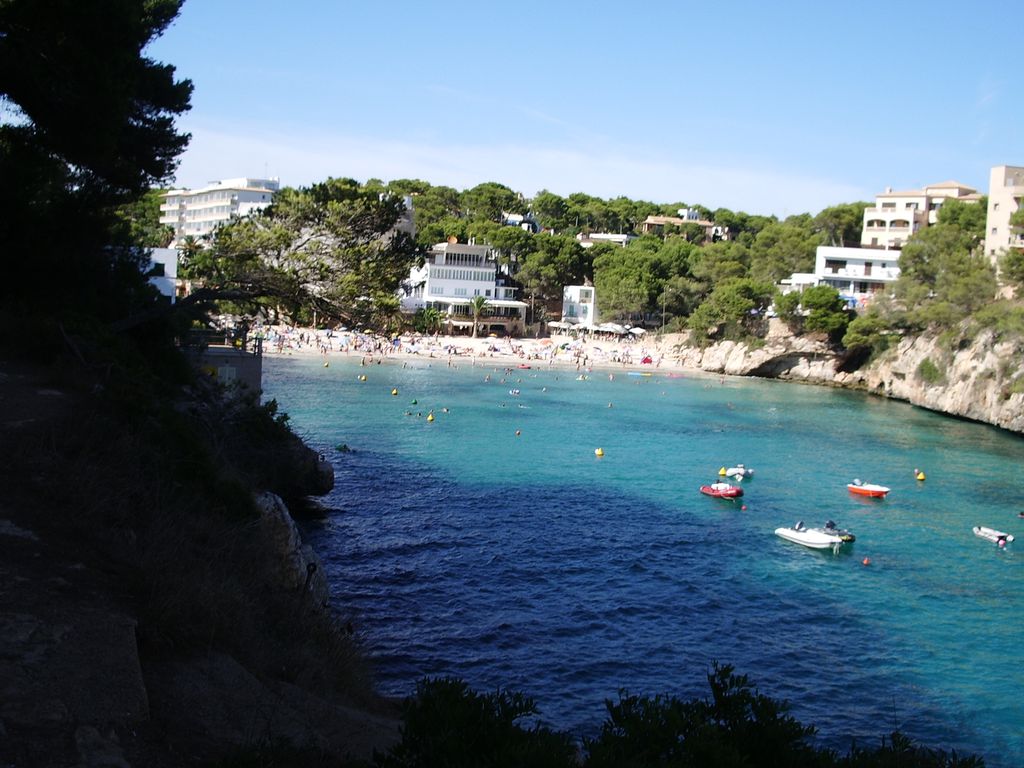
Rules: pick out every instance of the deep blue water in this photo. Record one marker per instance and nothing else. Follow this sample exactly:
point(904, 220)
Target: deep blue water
point(526, 562)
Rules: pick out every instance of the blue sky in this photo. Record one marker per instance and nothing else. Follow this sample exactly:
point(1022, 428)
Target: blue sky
point(769, 108)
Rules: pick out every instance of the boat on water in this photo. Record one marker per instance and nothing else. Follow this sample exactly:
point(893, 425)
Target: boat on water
point(722, 490)
point(999, 537)
point(828, 537)
point(860, 488)
point(739, 472)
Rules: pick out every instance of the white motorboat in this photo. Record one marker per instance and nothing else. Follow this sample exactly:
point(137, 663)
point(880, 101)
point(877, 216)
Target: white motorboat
point(739, 472)
point(993, 535)
point(828, 537)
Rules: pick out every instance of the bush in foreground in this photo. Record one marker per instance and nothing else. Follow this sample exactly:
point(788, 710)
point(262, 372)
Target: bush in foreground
point(447, 724)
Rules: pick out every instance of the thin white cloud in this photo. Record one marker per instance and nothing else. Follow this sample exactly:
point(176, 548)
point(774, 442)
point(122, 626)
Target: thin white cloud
point(634, 172)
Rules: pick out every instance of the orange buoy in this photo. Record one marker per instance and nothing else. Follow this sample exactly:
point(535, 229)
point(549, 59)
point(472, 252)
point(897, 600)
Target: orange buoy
point(866, 561)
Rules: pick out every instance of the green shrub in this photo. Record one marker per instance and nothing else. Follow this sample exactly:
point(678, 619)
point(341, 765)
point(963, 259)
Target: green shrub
point(447, 724)
point(929, 373)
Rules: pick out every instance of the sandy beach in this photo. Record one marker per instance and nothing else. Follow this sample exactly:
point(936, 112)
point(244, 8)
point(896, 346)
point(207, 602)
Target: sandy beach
point(603, 352)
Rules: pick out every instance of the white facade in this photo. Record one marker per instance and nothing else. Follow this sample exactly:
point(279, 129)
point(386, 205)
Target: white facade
point(579, 304)
point(604, 237)
point(898, 215)
point(163, 271)
point(195, 213)
point(857, 273)
point(451, 275)
point(1005, 197)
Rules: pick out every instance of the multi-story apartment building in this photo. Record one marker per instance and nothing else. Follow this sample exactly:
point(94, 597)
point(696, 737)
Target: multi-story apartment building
point(898, 215)
point(195, 213)
point(1005, 197)
point(451, 275)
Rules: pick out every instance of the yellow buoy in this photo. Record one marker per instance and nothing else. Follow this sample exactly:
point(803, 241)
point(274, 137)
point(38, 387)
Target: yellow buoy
point(920, 475)
point(722, 471)
point(599, 451)
point(326, 364)
point(430, 417)
point(363, 377)
point(394, 391)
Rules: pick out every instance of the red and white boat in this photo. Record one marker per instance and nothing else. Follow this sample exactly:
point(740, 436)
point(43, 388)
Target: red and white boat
point(722, 490)
point(859, 488)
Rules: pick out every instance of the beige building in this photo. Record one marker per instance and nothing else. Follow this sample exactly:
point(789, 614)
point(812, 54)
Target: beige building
point(1005, 197)
point(656, 224)
point(898, 215)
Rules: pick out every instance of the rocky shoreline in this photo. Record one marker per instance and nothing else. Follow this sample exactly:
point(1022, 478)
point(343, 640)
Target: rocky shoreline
point(112, 576)
point(976, 380)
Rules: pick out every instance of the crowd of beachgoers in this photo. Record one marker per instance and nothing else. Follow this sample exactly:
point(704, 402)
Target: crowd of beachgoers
point(580, 351)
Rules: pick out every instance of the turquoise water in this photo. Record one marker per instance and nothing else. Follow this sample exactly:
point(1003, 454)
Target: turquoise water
point(525, 561)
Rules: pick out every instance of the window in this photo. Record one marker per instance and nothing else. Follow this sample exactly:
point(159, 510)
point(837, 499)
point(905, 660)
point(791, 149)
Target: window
point(995, 230)
point(910, 206)
point(834, 265)
point(888, 206)
point(995, 206)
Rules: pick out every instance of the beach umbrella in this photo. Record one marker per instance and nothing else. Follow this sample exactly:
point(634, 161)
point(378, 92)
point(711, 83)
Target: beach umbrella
point(637, 331)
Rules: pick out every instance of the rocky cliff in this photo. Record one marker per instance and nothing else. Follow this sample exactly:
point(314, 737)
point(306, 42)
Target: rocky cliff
point(978, 379)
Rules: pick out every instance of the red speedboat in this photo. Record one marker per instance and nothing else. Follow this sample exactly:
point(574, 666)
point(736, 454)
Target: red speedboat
point(722, 490)
point(867, 489)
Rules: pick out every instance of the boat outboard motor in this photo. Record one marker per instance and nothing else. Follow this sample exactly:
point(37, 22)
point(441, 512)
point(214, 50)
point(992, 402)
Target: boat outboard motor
point(799, 525)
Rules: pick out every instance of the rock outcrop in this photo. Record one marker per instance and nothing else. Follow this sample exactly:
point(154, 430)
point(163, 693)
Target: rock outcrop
point(976, 379)
point(298, 566)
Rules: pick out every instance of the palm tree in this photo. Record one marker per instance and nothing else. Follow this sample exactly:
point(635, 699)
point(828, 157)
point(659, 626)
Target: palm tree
point(479, 306)
point(431, 319)
point(387, 309)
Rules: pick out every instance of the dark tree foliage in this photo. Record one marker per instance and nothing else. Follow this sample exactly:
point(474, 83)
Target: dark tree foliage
point(448, 724)
point(734, 310)
point(331, 248)
point(86, 124)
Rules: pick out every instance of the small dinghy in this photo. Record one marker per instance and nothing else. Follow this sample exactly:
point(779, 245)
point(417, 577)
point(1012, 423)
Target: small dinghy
point(859, 488)
point(828, 537)
point(739, 472)
point(722, 490)
point(998, 537)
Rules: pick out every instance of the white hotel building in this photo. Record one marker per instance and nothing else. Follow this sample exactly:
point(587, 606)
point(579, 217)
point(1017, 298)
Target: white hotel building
point(451, 275)
point(195, 213)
